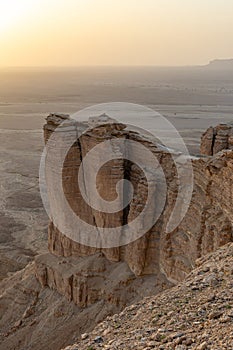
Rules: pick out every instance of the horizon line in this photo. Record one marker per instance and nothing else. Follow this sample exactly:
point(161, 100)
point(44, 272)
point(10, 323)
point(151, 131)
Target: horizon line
point(105, 65)
point(114, 65)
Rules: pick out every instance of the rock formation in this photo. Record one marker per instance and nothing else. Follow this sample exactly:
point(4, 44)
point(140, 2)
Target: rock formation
point(222, 64)
point(217, 139)
point(70, 289)
point(206, 226)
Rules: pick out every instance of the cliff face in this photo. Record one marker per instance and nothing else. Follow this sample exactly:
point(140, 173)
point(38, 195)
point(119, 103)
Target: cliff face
point(216, 139)
point(142, 256)
point(206, 226)
point(208, 222)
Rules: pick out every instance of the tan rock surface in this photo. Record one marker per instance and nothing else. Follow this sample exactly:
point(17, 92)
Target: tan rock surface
point(35, 316)
point(216, 139)
point(206, 226)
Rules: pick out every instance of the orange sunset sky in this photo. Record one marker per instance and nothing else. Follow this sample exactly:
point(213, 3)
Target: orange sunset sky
point(114, 32)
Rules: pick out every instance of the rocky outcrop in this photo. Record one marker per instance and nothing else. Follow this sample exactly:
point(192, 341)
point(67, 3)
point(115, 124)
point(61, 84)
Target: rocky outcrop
point(206, 226)
point(223, 64)
point(208, 222)
point(216, 139)
point(88, 280)
point(135, 254)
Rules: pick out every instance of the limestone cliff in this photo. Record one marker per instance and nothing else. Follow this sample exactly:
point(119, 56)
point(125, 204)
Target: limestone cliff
point(216, 139)
point(206, 226)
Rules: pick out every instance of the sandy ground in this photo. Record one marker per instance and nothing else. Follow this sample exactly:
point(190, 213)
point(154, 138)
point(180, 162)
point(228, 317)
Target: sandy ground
point(22, 218)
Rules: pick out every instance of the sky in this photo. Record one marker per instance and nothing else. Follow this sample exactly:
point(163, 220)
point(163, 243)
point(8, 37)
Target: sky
point(114, 32)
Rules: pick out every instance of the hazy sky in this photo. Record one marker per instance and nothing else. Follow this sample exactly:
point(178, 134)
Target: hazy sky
point(114, 32)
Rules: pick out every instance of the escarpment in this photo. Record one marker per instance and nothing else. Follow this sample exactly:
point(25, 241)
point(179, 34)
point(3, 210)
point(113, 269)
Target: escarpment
point(167, 256)
point(216, 139)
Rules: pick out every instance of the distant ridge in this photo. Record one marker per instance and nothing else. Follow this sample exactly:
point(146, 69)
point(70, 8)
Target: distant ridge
point(221, 64)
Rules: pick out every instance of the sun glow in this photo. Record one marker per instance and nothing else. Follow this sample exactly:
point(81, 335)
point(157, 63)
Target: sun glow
point(13, 11)
point(114, 32)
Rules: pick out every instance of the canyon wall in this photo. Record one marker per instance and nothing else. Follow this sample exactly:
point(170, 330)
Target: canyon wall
point(216, 139)
point(206, 226)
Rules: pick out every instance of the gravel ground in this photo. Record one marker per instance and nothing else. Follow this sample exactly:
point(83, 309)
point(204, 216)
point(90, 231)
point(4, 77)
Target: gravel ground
point(196, 314)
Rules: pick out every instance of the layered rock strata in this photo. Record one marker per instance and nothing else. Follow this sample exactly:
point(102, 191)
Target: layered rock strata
point(206, 226)
point(88, 280)
point(216, 139)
